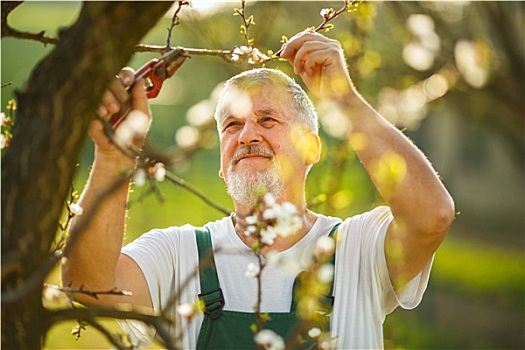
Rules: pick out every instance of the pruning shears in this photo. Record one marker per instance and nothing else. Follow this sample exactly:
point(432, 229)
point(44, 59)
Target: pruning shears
point(154, 72)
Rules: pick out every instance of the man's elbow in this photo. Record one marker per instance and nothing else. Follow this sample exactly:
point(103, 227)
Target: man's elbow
point(444, 215)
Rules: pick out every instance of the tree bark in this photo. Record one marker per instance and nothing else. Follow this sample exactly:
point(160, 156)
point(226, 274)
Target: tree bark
point(54, 112)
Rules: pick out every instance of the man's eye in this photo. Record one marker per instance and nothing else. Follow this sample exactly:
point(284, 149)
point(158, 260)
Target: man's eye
point(268, 120)
point(231, 125)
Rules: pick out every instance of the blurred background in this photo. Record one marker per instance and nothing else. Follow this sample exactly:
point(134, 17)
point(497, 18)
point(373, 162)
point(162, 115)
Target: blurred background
point(451, 74)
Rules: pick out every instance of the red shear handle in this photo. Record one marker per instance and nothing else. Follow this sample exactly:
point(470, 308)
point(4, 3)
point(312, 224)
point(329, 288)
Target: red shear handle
point(154, 72)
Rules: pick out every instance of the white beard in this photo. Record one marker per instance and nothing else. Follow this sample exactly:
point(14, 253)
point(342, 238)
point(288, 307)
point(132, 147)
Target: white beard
point(246, 188)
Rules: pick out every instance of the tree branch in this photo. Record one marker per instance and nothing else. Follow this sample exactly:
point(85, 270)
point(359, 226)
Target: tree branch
point(8, 31)
point(36, 279)
point(110, 337)
point(175, 20)
point(91, 315)
point(197, 193)
point(224, 54)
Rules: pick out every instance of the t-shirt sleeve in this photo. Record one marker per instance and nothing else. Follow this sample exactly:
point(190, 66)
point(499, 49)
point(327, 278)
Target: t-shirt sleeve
point(363, 292)
point(412, 293)
point(155, 253)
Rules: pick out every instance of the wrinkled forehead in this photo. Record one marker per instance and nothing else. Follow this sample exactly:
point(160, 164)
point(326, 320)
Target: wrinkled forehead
point(236, 101)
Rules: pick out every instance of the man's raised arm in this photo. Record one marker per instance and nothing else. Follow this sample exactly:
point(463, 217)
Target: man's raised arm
point(423, 209)
point(94, 263)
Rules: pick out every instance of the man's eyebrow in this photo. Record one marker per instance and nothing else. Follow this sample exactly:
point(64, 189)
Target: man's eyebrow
point(227, 119)
point(266, 111)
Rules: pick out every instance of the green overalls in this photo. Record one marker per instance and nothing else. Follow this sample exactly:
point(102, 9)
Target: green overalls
point(222, 329)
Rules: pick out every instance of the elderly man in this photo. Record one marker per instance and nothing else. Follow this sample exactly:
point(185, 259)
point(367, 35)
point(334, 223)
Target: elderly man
point(269, 140)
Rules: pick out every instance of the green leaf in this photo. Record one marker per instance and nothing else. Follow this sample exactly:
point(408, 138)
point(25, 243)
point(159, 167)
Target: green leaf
point(328, 27)
point(253, 328)
point(265, 317)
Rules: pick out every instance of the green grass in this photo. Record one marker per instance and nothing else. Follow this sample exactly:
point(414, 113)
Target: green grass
point(480, 270)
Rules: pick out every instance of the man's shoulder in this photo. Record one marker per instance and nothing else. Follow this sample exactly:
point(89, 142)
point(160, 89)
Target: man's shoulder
point(188, 228)
point(374, 214)
point(219, 225)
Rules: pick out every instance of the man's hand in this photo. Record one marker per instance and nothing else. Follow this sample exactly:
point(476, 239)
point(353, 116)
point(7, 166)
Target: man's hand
point(113, 100)
point(320, 62)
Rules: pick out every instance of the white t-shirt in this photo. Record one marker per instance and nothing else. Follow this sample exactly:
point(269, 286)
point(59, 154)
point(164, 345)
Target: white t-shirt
point(362, 288)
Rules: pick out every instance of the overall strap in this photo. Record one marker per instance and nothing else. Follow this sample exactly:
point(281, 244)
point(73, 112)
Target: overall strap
point(326, 302)
point(329, 298)
point(211, 293)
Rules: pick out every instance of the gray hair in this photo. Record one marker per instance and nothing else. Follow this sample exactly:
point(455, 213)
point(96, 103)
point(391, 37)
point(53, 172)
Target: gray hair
point(259, 77)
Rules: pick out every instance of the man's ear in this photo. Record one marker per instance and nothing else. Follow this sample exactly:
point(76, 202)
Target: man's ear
point(314, 149)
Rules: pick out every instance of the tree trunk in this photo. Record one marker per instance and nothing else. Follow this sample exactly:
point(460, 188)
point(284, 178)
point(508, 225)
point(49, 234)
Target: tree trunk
point(54, 112)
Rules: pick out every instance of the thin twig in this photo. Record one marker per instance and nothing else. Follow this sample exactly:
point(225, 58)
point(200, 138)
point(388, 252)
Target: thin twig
point(110, 337)
point(348, 6)
point(224, 54)
point(92, 293)
point(196, 192)
point(175, 20)
point(40, 37)
point(246, 22)
point(37, 278)
point(91, 314)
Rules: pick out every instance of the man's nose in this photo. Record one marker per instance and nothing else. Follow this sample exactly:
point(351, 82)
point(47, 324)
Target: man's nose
point(249, 134)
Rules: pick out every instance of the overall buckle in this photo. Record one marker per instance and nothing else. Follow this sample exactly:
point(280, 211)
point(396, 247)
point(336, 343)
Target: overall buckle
point(214, 303)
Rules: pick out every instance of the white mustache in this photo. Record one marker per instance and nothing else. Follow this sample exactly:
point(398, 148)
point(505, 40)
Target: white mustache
point(251, 149)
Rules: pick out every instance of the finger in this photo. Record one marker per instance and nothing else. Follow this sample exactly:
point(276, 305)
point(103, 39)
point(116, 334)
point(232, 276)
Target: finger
point(127, 75)
point(304, 53)
point(139, 98)
point(109, 104)
point(117, 93)
point(298, 40)
point(316, 61)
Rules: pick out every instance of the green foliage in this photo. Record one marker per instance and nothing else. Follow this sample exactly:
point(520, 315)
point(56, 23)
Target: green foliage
point(481, 271)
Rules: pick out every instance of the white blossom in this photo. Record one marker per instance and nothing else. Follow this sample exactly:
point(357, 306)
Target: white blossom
point(325, 274)
point(76, 209)
point(139, 177)
point(314, 332)
point(2, 118)
point(159, 171)
point(2, 141)
point(325, 245)
point(250, 229)
point(289, 209)
point(269, 214)
point(269, 340)
point(134, 125)
point(268, 235)
point(251, 219)
point(242, 50)
point(288, 225)
point(186, 310)
point(252, 270)
point(269, 199)
point(325, 12)
point(51, 293)
point(235, 58)
point(252, 53)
